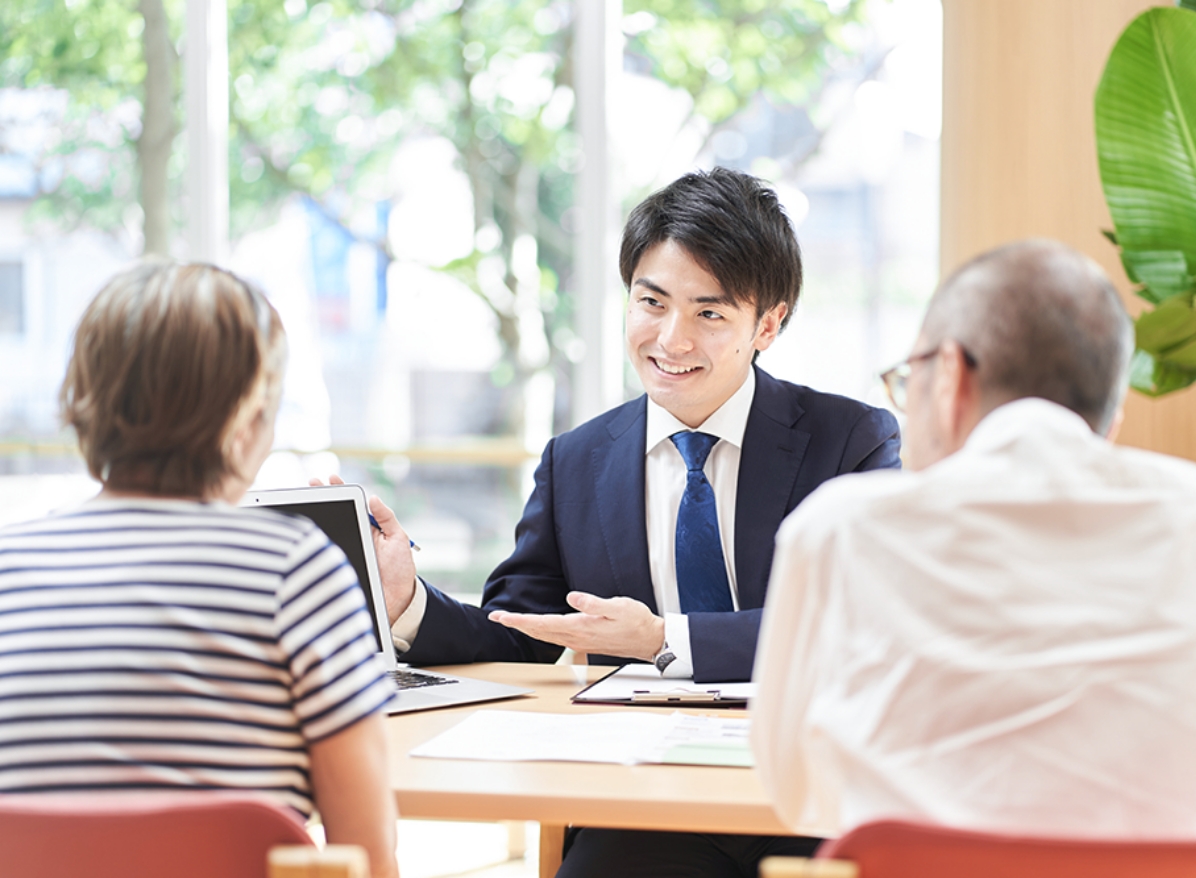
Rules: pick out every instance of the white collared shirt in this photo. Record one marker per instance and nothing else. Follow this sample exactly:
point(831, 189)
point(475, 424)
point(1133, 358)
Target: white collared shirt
point(1004, 641)
point(664, 483)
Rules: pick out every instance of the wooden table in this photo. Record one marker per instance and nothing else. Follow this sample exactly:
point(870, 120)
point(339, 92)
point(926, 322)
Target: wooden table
point(557, 794)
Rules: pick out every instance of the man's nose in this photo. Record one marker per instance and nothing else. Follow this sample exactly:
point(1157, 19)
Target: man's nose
point(675, 334)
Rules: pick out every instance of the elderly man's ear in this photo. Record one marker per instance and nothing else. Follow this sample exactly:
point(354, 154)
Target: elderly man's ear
point(1115, 426)
point(956, 396)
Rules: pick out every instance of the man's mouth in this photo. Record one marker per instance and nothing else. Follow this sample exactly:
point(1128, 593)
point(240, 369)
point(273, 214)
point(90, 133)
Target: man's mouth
point(674, 370)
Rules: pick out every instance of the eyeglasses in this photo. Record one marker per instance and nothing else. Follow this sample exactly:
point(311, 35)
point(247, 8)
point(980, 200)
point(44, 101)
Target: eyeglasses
point(896, 379)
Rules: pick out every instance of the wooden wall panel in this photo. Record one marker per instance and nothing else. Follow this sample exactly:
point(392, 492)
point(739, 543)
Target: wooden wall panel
point(1019, 152)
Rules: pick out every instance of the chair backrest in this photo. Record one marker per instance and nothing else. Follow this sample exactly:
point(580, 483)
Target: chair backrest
point(896, 849)
point(169, 835)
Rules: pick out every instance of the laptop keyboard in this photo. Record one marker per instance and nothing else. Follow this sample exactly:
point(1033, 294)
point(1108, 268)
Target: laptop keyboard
point(405, 678)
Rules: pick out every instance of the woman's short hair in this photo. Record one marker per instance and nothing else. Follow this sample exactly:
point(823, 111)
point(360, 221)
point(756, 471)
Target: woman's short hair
point(168, 361)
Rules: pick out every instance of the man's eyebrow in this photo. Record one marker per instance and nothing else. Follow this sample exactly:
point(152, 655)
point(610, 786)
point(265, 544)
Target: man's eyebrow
point(700, 300)
point(647, 282)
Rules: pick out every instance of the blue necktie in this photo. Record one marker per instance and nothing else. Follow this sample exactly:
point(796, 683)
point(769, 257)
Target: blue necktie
point(701, 571)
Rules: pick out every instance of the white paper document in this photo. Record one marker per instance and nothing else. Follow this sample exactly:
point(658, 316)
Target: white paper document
point(642, 684)
point(623, 737)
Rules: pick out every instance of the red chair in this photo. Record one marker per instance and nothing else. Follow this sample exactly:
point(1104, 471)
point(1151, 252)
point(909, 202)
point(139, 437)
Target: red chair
point(895, 849)
point(190, 835)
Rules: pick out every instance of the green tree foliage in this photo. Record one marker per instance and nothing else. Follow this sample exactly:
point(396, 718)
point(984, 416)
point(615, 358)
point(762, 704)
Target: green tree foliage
point(323, 94)
point(93, 50)
point(726, 53)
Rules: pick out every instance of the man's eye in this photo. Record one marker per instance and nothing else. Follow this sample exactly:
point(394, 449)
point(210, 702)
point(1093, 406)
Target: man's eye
point(649, 301)
point(711, 315)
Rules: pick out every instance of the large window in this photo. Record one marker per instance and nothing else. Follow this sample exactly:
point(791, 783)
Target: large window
point(407, 179)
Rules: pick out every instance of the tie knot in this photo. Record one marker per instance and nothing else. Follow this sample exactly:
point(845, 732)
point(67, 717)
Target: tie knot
point(694, 448)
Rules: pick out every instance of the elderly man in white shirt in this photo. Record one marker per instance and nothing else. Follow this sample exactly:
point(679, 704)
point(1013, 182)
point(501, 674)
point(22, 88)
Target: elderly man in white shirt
point(1004, 638)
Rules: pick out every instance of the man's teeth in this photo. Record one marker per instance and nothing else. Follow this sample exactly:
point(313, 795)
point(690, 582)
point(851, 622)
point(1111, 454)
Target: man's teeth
point(674, 370)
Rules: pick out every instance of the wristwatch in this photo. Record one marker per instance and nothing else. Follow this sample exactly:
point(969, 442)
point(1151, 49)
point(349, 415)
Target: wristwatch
point(664, 658)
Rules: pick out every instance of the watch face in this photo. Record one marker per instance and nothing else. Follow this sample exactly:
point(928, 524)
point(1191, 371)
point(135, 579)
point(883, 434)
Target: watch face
point(664, 660)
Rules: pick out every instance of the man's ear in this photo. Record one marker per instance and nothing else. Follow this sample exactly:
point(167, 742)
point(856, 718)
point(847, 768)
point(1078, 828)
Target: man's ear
point(770, 326)
point(1115, 426)
point(956, 396)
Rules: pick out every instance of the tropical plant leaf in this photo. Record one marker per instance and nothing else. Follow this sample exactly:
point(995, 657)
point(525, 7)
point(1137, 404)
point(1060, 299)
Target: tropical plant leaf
point(1182, 357)
point(1168, 326)
point(1162, 273)
point(1146, 139)
point(1142, 372)
point(1154, 378)
point(1168, 378)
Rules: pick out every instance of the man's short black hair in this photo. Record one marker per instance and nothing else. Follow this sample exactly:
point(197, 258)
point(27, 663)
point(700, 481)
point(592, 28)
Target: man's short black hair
point(729, 223)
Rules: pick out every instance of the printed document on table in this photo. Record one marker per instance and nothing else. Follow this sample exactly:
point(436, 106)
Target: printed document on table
point(642, 684)
point(706, 740)
point(623, 738)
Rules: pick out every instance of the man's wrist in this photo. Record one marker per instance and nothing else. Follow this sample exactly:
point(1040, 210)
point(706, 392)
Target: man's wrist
point(405, 629)
point(664, 656)
point(659, 638)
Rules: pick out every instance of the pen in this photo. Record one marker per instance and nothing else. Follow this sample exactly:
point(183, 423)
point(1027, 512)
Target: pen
point(374, 524)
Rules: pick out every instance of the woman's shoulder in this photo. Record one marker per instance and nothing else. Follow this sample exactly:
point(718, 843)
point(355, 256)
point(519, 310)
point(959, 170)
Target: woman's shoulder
point(105, 523)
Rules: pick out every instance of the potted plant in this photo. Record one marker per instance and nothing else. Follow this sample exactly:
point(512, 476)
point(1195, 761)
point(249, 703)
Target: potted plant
point(1146, 148)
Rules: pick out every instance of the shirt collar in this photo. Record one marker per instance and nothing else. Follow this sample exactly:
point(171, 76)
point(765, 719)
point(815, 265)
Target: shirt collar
point(728, 421)
point(1012, 420)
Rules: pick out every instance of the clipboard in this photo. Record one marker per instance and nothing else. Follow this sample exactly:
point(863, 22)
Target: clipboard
point(641, 684)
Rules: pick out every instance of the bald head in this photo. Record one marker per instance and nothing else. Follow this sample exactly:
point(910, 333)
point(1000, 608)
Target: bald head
point(1041, 320)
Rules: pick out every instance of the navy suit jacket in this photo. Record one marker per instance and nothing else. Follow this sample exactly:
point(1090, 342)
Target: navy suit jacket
point(584, 528)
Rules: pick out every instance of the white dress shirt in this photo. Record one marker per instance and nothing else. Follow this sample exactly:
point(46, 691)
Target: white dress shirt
point(664, 483)
point(665, 475)
point(1005, 641)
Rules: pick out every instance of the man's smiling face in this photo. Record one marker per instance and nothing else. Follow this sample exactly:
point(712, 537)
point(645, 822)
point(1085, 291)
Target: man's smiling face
point(690, 343)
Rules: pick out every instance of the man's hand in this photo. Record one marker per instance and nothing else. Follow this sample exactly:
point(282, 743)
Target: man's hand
point(396, 567)
point(610, 626)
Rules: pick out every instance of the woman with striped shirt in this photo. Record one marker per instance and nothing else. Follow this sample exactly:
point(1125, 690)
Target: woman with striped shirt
point(158, 637)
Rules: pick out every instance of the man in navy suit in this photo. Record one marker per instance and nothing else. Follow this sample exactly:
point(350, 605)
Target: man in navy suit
point(649, 535)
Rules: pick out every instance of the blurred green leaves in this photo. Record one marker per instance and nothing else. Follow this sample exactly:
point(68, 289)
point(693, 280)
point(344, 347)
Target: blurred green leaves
point(1146, 147)
point(725, 53)
point(325, 93)
point(91, 49)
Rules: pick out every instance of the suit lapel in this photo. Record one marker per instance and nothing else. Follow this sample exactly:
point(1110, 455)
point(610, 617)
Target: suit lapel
point(618, 468)
point(773, 450)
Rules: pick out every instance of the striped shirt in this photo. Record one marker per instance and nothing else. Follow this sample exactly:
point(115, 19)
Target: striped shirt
point(150, 644)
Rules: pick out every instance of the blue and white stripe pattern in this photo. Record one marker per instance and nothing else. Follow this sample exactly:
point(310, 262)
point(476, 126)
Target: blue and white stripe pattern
point(149, 644)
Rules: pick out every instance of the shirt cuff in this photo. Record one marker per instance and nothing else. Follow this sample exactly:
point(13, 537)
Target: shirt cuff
point(676, 635)
point(406, 627)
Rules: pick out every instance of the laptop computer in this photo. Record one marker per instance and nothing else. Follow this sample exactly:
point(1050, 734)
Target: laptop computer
point(341, 512)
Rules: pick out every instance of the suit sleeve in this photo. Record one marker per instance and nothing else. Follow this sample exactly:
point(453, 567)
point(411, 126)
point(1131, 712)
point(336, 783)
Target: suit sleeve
point(531, 580)
point(724, 644)
point(873, 443)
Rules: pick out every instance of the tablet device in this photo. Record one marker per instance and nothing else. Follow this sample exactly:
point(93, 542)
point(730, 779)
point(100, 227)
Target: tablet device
point(342, 513)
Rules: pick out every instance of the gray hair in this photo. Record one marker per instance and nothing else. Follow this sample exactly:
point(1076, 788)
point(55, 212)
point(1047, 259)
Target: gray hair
point(1042, 320)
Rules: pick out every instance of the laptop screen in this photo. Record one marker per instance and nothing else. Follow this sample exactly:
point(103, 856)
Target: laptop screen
point(338, 519)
